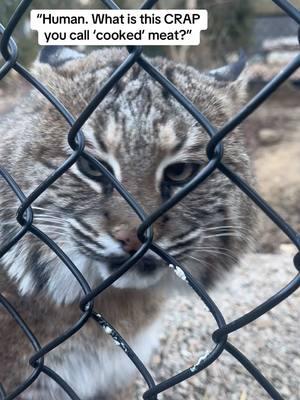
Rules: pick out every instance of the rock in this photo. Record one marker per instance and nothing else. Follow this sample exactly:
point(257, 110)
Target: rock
point(286, 43)
point(280, 57)
point(269, 136)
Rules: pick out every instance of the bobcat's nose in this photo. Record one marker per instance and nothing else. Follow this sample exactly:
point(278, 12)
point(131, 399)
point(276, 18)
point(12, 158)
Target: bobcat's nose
point(128, 238)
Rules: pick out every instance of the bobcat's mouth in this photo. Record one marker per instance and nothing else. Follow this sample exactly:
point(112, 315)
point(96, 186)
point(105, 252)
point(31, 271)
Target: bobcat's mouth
point(146, 265)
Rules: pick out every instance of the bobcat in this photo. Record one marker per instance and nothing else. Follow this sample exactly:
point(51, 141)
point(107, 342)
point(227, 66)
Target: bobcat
point(153, 146)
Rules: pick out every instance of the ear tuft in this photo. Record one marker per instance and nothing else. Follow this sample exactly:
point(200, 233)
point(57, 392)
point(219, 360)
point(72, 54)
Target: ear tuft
point(56, 56)
point(231, 72)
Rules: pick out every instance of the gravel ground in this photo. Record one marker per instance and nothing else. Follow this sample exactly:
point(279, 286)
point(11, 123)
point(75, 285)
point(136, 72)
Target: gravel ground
point(272, 342)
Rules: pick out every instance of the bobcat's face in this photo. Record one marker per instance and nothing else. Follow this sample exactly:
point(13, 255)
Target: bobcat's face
point(153, 147)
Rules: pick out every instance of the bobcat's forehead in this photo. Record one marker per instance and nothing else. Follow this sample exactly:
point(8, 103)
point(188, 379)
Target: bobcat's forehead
point(138, 128)
point(147, 134)
point(143, 147)
point(138, 121)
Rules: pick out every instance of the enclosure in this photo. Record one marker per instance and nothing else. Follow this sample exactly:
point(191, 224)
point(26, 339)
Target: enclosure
point(261, 302)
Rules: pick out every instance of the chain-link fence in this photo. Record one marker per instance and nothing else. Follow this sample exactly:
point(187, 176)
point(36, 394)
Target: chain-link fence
point(76, 141)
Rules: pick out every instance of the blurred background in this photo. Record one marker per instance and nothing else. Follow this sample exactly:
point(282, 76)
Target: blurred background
point(272, 134)
point(249, 24)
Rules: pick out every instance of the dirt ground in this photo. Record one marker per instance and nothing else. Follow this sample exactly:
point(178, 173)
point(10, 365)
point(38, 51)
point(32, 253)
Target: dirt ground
point(272, 342)
point(273, 137)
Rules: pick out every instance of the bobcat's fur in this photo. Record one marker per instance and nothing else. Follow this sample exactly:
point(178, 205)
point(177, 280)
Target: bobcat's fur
point(138, 130)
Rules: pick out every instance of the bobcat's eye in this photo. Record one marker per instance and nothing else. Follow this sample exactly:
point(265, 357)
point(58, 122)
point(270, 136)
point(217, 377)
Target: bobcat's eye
point(91, 171)
point(180, 173)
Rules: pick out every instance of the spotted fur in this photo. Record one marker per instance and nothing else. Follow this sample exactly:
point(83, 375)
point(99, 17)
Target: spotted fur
point(138, 130)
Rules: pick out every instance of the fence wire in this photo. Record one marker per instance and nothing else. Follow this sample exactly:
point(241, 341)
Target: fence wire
point(76, 141)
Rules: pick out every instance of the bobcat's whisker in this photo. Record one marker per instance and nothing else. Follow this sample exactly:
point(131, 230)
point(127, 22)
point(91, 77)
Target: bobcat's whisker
point(52, 228)
point(228, 234)
point(217, 253)
point(36, 216)
point(216, 250)
point(49, 223)
point(205, 262)
point(234, 228)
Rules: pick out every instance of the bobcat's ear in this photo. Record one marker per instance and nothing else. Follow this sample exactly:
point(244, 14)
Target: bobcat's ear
point(231, 82)
point(230, 73)
point(56, 56)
